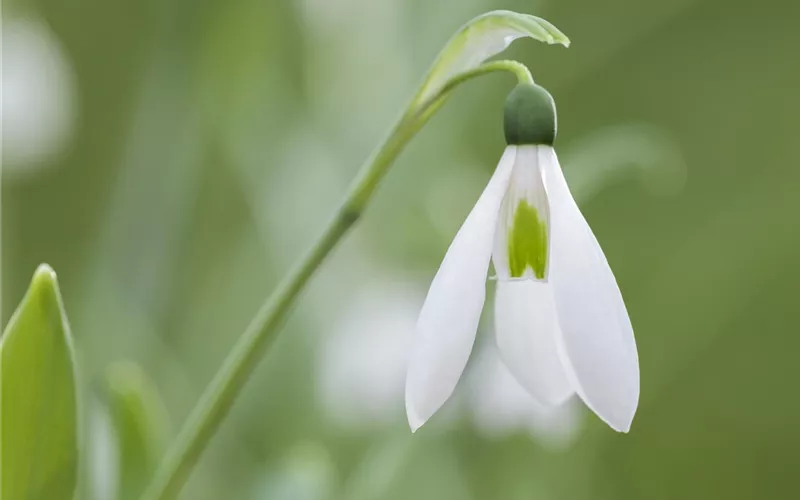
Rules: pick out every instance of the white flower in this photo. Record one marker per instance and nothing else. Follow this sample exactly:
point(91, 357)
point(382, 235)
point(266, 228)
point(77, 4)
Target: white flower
point(37, 94)
point(561, 324)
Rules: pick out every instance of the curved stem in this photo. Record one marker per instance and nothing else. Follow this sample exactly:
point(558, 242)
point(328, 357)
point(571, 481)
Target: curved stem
point(229, 380)
point(521, 71)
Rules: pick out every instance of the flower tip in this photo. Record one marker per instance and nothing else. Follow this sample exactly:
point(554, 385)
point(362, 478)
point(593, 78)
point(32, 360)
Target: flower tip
point(616, 413)
point(414, 420)
point(624, 428)
point(620, 422)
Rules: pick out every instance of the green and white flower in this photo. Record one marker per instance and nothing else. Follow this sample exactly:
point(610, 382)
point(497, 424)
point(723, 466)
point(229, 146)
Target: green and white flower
point(561, 324)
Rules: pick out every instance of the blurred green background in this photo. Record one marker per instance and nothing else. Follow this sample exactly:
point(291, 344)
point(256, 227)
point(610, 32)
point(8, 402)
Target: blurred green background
point(171, 159)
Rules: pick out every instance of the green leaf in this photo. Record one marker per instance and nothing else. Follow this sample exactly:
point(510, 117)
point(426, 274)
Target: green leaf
point(139, 420)
point(38, 414)
point(480, 39)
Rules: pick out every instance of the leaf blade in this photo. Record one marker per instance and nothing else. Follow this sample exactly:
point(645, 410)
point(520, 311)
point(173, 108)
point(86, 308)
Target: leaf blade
point(38, 405)
point(139, 419)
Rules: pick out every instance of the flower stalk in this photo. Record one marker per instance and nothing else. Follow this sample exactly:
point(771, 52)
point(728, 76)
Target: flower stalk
point(226, 385)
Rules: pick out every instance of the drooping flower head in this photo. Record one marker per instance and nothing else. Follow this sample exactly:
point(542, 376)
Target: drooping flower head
point(561, 324)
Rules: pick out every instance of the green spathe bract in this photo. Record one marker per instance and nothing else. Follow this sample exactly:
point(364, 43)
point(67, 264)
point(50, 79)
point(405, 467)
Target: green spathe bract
point(527, 242)
point(38, 425)
point(480, 39)
point(529, 116)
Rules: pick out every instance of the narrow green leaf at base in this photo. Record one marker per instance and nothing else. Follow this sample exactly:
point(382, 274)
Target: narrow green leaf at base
point(38, 405)
point(139, 420)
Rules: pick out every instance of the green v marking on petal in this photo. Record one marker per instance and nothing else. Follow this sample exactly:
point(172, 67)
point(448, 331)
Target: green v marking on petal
point(527, 242)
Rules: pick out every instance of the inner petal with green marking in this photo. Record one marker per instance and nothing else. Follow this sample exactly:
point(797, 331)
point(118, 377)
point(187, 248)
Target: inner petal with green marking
point(527, 242)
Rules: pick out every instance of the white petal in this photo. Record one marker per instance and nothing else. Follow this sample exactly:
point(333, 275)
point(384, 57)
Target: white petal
point(501, 407)
point(449, 318)
point(598, 347)
point(527, 335)
point(526, 186)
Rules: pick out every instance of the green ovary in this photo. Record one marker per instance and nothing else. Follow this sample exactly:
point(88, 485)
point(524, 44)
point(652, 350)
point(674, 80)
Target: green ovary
point(527, 242)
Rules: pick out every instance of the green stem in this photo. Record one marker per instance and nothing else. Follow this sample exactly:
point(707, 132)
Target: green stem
point(221, 393)
point(520, 70)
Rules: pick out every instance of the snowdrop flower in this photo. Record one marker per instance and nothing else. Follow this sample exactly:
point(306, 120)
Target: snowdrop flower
point(561, 324)
point(37, 94)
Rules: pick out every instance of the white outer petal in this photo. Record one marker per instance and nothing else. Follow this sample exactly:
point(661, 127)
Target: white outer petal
point(501, 407)
point(449, 318)
point(598, 347)
point(527, 336)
